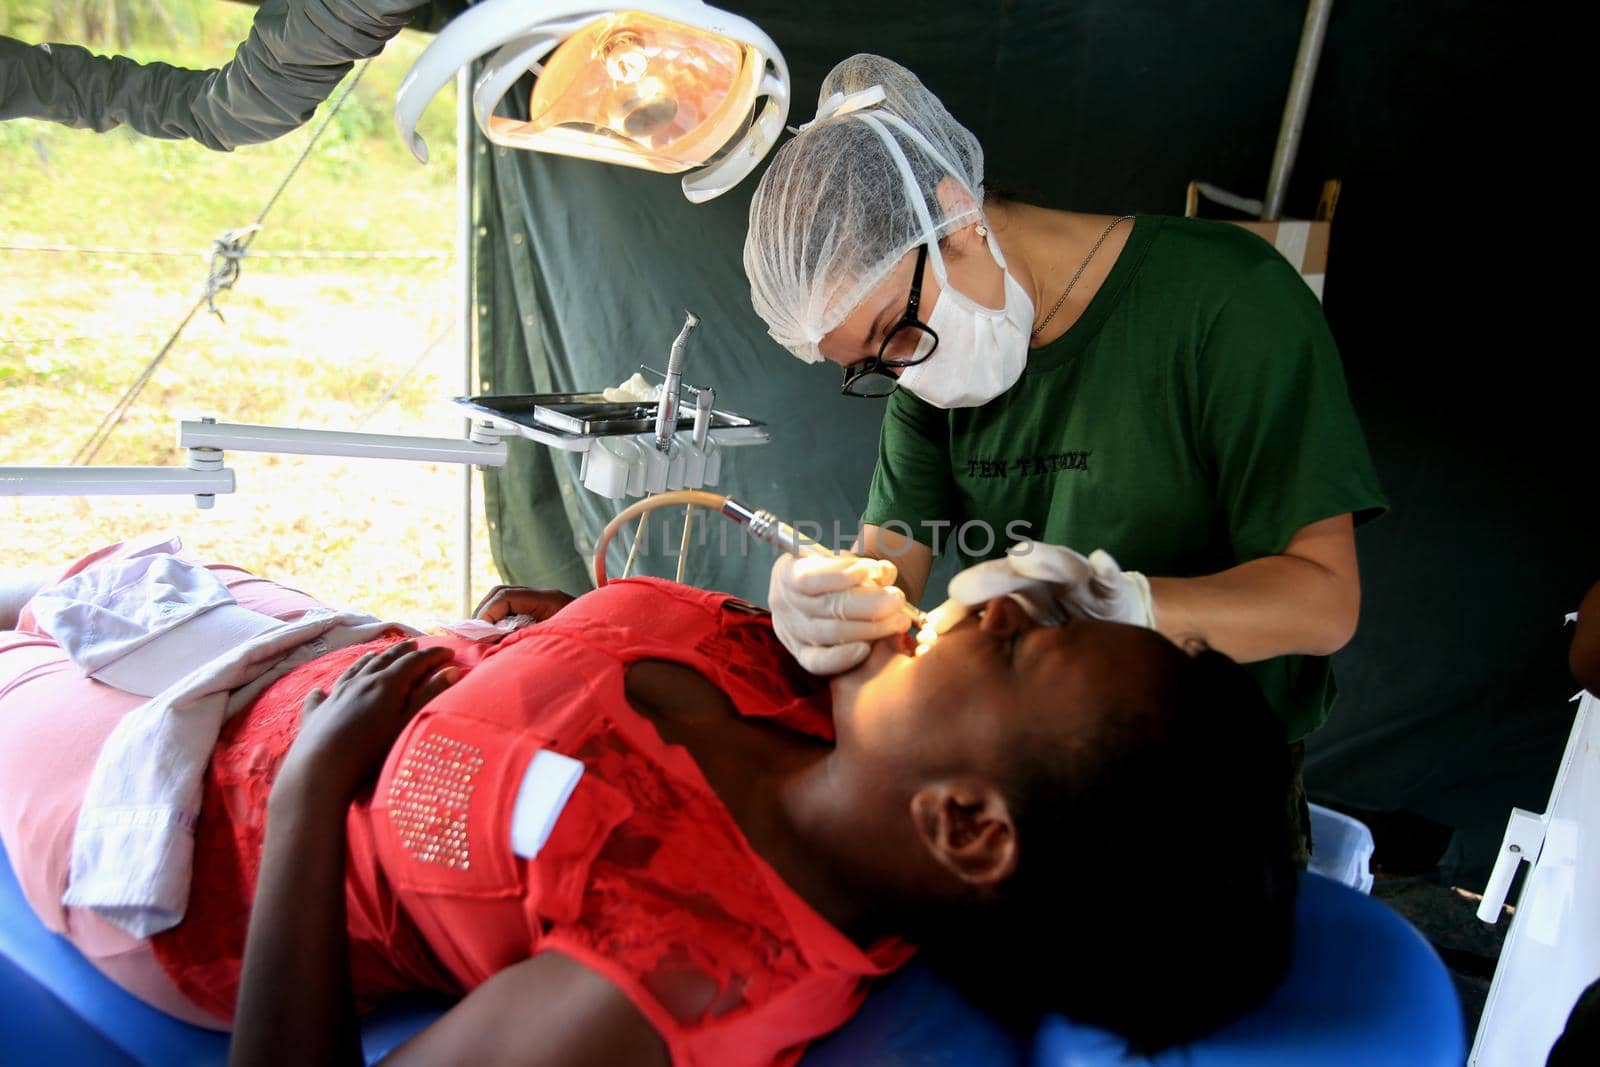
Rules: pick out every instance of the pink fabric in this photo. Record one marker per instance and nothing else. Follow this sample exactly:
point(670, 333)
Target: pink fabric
point(53, 720)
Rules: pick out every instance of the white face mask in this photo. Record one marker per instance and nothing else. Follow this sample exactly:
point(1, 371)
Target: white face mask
point(982, 350)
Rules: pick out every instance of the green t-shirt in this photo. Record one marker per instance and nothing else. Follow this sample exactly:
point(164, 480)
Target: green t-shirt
point(1193, 418)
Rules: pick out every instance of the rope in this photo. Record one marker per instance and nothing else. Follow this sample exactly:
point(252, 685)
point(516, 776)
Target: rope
point(113, 418)
point(398, 382)
point(226, 253)
point(106, 250)
point(332, 111)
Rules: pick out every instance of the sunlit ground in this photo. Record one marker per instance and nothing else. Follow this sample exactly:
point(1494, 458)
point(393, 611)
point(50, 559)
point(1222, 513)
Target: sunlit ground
point(337, 344)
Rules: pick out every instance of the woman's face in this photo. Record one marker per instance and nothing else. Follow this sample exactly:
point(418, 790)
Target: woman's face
point(862, 332)
point(993, 683)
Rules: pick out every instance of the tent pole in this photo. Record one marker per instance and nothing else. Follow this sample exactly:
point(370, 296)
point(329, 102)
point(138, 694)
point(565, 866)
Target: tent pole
point(465, 316)
point(1294, 109)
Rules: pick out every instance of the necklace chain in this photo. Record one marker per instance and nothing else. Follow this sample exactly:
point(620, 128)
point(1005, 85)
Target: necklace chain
point(1079, 273)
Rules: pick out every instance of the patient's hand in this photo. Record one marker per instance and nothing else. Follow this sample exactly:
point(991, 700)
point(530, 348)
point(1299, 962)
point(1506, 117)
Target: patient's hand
point(505, 600)
point(345, 736)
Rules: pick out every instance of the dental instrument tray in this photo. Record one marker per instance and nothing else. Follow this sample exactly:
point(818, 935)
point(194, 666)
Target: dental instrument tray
point(577, 417)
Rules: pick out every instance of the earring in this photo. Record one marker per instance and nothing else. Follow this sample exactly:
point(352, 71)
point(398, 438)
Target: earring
point(983, 231)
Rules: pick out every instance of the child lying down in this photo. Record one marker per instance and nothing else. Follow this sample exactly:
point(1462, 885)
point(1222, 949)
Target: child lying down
point(632, 830)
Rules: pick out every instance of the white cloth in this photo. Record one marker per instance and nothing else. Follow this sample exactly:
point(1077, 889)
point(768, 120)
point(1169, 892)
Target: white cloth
point(547, 785)
point(142, 621)
point(477, 629)
point(133, 849)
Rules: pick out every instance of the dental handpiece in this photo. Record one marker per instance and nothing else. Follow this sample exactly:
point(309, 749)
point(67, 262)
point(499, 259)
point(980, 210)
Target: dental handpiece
point(765, 526)
point(667, 409)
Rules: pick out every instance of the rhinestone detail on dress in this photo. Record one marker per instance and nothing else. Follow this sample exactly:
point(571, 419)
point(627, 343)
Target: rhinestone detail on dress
point(430, 796)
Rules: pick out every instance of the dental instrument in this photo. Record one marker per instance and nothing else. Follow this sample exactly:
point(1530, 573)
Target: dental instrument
point(617, 441)
point(764, 526)
point(667, 412)
point(703, 401)
point(636, 438)
point(666, 425)
point(939, 621)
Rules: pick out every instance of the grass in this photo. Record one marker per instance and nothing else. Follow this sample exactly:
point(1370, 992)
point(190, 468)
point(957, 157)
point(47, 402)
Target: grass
point(327, 343)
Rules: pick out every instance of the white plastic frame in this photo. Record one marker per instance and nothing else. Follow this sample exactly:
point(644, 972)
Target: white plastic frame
point(205, 476)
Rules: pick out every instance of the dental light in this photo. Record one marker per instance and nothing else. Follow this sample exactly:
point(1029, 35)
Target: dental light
point(662, 85)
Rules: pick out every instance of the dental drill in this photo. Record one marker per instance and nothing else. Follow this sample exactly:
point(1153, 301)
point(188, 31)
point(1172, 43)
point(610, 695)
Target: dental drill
point(764, 526)
point(666, 426)
point(667, 411)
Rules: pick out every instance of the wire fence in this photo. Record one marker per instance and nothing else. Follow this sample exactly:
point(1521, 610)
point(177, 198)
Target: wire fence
point(104, 250)
point(78, 338)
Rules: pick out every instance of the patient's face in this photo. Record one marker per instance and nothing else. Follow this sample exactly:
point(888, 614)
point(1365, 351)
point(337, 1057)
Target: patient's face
point(995, 682)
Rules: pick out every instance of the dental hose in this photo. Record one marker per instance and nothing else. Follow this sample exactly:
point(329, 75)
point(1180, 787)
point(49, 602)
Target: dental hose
point(761, 524)
point(633, 549)
point(639, 508)
point(683, 547)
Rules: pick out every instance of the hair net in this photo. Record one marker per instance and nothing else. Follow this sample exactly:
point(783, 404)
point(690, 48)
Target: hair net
point(852, 193)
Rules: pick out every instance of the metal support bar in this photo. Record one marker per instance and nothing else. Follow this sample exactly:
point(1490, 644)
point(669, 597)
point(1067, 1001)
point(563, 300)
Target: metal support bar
point(238, 437)
point(1296, 106)
point(464, 164)
point(205, 459)
point(113, 481)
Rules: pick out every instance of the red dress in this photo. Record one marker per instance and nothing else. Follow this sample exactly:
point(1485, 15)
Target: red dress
point(646, 878)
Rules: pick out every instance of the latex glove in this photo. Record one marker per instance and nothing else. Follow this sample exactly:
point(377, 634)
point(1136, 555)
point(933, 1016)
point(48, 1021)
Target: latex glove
point(827, 610)
point(1054, 583)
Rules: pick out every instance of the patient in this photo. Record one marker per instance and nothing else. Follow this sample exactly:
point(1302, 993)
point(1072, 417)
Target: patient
point(1081, 818)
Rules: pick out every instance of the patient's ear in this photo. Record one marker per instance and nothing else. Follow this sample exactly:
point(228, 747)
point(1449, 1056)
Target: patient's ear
point(966, 825)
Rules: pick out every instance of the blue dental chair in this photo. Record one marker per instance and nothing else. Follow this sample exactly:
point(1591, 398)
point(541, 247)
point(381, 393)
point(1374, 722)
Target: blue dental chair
point(1365, 988)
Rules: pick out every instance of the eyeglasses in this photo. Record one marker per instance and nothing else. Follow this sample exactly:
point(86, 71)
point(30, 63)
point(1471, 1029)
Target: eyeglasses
point(909, 341)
